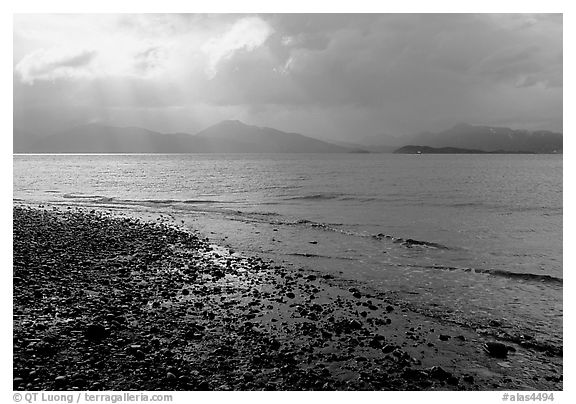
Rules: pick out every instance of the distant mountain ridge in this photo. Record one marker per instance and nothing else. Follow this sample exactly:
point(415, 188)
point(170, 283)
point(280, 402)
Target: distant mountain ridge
point(267, 140)
point(475, 137)
point(489, 138)
point(224, 137)
point(411, 149)
point(237, 137)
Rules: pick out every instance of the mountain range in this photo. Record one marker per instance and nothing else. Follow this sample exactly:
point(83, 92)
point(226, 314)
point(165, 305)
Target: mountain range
point(236, 137)
point(490, 138)
point(473, 137)
point(412, 149)
point(224, 137)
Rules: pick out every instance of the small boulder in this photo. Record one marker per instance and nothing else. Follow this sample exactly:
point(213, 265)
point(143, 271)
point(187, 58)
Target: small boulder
point(436, 372)
point(388, 348)
point(468, 379)
point(17, 382)
point(376, 342)
point(79, 382)
point(496, 349)
point(95, 332)
point(413, 374)
point(495, 323)
point(60, 381)
point(453, 381)
point(171, 378)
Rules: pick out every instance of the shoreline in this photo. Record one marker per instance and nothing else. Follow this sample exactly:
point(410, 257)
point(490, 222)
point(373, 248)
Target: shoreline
point(109, 302)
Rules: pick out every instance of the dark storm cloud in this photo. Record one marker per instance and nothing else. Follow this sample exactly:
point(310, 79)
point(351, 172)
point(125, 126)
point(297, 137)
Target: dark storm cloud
point(321, 74)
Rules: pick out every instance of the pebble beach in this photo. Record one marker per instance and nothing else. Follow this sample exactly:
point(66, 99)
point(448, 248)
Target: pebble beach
point(103, 301)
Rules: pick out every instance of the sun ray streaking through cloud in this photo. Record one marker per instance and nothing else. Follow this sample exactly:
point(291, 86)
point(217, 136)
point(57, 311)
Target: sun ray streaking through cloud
point(324, 74)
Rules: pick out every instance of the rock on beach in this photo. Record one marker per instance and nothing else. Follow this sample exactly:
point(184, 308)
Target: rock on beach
point(109, 302)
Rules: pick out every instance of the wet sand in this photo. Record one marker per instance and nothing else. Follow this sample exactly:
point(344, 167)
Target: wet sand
point(109, 302)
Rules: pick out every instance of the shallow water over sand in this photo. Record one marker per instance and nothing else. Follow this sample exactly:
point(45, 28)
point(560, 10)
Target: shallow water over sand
point(472, 236)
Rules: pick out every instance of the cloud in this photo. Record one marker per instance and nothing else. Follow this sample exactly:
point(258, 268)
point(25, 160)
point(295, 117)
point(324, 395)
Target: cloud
point(150, 60)
point(83, 46)
point(144, 46)
point(525, 66)
point(55, 63)
point(245, 34)
point(325, 72)
point(387, 58)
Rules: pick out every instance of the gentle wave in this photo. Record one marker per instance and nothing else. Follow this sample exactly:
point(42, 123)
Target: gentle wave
point(526, 276)
point(543, 210)
point(548, 279)
point(81, 196)
point(318, 196)
point(277, 219)
point(409, 242)
point(266, 217)
point(264, 213)
point(310, 223)
point(108, 199)
point(174, 201)
point(338, 228)
point(327, 196)
point(469, 204)
point(308, 255)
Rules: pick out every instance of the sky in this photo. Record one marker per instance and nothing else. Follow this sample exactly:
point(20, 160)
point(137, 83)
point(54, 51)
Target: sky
point(332, 76)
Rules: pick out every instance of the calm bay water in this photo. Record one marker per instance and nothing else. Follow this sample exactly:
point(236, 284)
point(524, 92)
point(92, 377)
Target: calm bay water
point(484, 231)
